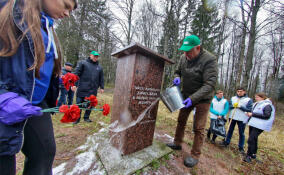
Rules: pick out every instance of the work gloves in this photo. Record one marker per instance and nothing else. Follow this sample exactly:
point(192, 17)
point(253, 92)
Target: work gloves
point(236, 105)
point(15, 109)
point(187, 102)
point(176, 81)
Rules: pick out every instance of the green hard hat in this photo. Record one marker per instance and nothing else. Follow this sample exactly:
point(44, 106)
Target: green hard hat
point(95, 53)
point(190, 42)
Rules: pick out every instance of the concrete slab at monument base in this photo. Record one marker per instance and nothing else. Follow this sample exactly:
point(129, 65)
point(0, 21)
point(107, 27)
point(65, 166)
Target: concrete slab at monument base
point(116, 164)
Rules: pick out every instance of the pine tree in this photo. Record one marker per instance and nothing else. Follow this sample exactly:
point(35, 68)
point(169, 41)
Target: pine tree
point(88, 29)
point(169, 42)
point(84, 30)
point(206, 25)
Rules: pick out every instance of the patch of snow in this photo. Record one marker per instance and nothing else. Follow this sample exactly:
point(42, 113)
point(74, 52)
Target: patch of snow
point(102, 123)
point(84, 162)
point(82, 147)
point(59, 169)
point(97, 172)
point(157, 135)
point(98, 169)
point(86, 145)
point(170, 137)
point(102, 130)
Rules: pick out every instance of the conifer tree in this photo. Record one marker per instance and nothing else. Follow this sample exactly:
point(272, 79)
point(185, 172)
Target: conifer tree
point(206, 25)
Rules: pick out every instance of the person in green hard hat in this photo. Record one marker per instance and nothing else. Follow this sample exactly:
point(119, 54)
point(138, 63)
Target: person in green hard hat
point(91, 78)
point(197, 74)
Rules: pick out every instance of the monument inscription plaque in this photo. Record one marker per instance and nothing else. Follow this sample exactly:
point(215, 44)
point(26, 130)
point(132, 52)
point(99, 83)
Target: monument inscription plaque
point(138, 83)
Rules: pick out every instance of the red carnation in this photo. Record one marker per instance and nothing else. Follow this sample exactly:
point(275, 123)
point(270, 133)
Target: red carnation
point(63, 108)
point(69, 80)
point(70, 114)
point(106, 109)
point(93, 100)
point(74, 112)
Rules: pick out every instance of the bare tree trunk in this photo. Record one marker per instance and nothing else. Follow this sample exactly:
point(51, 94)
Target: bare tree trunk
point(126, 7)
point(222, 67)
point(255, 5)
point(241, 58)
point(277, 51)
point(252, 75)
point(242, 46)
point(220, 44)
point(232, 83)
point(130, 5)
point(227, 72)
point(254, 90)
point(81, 29)
point(228, 79)
point(266, 78)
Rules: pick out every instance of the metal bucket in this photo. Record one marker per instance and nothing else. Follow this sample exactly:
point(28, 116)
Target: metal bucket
point(172, 98)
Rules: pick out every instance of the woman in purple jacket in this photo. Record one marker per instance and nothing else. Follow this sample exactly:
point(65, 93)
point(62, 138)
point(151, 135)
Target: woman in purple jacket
point(29, 61)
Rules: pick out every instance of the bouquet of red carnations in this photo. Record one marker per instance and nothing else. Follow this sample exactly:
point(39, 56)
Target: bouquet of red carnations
point(72, 112)
point(69, 80)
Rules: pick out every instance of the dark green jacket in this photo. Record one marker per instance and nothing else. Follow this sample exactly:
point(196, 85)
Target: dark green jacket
point(198, 77)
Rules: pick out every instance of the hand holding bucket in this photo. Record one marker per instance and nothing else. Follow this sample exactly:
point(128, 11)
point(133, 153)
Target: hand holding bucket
point(187, 102)
point(172, 98)
point(176, 81)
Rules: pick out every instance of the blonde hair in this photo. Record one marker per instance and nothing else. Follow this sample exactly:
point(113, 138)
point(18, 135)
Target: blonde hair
point(11, 37)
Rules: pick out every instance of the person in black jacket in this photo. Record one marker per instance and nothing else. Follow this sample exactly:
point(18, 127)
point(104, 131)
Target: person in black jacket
point(91, 78)
point(63, 92)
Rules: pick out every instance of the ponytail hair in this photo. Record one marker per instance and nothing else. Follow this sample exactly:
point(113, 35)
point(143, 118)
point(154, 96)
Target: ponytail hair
point(261, 95)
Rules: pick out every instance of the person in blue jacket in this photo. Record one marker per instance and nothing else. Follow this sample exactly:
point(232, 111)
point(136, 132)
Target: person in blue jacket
point(29, 68)
point(218, 109)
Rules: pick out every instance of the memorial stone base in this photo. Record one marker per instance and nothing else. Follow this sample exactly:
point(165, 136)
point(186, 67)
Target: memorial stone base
point(116, 164)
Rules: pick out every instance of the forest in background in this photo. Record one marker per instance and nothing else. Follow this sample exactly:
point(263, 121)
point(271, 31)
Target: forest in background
point(245, 35)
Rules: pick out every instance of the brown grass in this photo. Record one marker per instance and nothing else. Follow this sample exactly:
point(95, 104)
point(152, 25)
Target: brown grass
point(270, 146)
point(69, 136)
point(214, 160)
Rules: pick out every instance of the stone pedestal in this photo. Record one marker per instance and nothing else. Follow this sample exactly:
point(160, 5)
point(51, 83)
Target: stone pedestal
point(138, 83)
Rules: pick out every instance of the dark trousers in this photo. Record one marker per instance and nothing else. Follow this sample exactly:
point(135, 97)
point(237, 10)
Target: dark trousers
point(63, 94)
point(8, 165)
point(241, 127)
point(39, 148)
point(87, 112)
point(199, 124)
point(252, 140)
point(209, 130)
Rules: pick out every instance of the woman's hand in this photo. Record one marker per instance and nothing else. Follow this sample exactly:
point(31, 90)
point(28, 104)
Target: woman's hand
point(73, 88)
point(15, 109)
point(249, 114)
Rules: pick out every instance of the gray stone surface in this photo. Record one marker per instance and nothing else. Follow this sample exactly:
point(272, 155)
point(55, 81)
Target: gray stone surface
point(116, 164)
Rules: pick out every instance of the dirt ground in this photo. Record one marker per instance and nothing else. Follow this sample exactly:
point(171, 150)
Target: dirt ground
point(214, 159)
